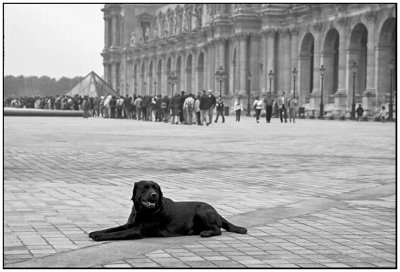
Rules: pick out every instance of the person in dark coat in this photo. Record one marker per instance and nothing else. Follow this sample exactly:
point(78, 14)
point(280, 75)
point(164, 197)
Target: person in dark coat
point(204, 105)
point(360, 112)
point(269, 102)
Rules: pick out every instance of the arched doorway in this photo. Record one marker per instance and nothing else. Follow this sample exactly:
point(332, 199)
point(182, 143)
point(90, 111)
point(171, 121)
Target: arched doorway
point(189, 74)
point(386, 50)
point(200, 72)
point(306, 69)
point(330, 57)
point(357, 52)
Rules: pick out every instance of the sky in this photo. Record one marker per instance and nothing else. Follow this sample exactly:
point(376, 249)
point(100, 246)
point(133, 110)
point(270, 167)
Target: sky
point(53, 40)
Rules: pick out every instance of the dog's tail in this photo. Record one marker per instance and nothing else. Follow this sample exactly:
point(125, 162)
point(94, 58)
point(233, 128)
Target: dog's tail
point(231, 227)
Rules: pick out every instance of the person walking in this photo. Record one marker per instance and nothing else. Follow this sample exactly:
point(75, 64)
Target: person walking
point(258, 106)
point(282, 107)
point(269, 103)
point(238, 107)
point(292, 103)
point(220, 109)
point(360, 112)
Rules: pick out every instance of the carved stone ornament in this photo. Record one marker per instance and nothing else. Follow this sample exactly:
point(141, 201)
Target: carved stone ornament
point(317, 27)
point(342, 21)
point(371, 16)
point(284, 33)
point(294, 31)
point(269, 33)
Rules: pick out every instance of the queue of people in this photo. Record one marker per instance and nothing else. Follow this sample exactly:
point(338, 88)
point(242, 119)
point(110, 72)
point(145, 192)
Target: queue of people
point(179, 109)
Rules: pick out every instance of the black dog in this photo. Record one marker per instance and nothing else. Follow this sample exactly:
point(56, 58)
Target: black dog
point(156, 216)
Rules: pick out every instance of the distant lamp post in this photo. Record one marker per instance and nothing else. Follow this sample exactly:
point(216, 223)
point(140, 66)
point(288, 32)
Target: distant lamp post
point(354, 68)
point(172, 79)
point(127, 88)
point(294, 72)
point(271, 76)
point(135, 86)
point(220, 76)
point(155, 87)
point(391, 67)
point(248, 93)
point(321, 105)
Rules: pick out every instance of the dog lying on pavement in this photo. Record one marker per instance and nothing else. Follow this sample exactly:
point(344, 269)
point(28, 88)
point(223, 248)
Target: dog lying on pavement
point(156, 216)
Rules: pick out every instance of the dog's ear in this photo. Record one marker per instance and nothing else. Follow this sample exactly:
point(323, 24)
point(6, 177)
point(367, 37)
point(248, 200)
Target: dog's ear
point(134, 192)
point(159, 192)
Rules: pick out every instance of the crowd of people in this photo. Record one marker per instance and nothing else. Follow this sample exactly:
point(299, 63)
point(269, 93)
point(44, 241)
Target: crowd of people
point(179, 109)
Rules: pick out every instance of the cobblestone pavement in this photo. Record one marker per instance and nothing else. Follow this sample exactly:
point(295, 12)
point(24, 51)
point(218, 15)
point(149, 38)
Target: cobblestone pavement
point(312, 194)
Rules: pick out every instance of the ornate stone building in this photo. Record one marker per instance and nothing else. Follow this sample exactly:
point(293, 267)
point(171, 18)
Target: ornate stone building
point(145, 43)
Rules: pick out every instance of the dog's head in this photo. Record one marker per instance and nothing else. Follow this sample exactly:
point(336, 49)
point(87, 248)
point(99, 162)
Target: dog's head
point(147, 195)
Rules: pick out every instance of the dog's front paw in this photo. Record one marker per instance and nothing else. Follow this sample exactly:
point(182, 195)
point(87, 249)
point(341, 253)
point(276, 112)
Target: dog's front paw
point(97, 236)
point(93, 234)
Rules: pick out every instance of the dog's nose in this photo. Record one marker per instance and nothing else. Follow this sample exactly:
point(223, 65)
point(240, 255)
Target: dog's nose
point(153, 194)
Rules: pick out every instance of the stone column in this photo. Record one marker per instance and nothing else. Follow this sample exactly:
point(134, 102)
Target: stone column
point(254, 64)
point(303, 78)
point(295, 57)
point(243, 73)
point(114, 30)
point(271, 33)
point(328, 57)
point(106, 30)
point(369, 96)
point(317, 27)
point(264, 80)
point(114, 79)
point(106, 67)
point(284, 73)
point(211, 64)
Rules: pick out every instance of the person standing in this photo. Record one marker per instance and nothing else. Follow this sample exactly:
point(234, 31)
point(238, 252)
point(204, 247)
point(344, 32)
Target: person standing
point(113, 105)
point(138, 105)
point(282, 107)
point(292, 103)
point(238, 107)
point(204, 104)
point(258, 106)
point(175, 106)
point(210, 109)
point(220, 109)
point(360, 112)
point(86, 107)
point(188, 106)
point(269, 103)
point(165, 108)
point(197, 110)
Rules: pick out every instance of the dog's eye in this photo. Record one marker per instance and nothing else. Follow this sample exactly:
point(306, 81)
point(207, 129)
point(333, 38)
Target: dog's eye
point(146, 187)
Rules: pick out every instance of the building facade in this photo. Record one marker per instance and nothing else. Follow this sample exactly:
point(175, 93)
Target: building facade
point(258, 46)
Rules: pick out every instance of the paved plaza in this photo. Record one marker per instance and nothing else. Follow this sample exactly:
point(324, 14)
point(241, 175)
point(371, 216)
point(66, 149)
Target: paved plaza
point(313, 194)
